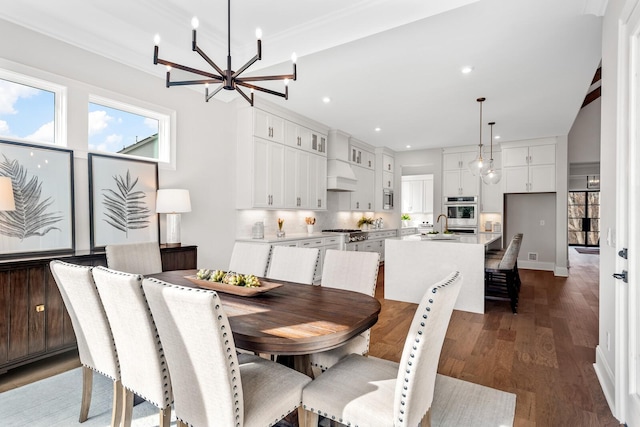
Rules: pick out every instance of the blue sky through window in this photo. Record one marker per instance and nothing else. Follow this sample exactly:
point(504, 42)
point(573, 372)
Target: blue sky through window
point(26, 112)
point(111, 129)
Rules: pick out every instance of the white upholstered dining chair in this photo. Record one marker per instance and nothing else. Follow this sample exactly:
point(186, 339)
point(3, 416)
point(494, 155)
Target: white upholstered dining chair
point(143, 369)
point(95, 342)
point(250, 258)
point(367, 391)
point(136, 258)
point(293, 264)
point(213, 388)
point(352, 271)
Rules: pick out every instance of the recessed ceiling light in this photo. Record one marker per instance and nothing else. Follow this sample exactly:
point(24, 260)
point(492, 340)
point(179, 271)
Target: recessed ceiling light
point(408, 146)
point(496, 137)
point(326, 100)
point(466, 70)
point(377, 129)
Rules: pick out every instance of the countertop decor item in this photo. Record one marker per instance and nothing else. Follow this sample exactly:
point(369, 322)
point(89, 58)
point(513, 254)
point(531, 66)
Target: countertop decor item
point(227, 79)
point(280, 232)
point(310, 222)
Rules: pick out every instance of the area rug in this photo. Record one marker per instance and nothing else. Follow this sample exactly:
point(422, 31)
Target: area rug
point(592, 251)
point(55, 401)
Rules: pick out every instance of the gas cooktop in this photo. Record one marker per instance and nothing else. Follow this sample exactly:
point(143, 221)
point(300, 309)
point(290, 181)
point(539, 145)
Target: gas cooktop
point(341, 230)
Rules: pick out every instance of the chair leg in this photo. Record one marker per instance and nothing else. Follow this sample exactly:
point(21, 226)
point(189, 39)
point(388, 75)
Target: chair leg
point(311, 419)
point(127, 407)
point(116, 412)
point(165, 416)
point(87, 386)
point(302, 416)
point(426, 420)
point(182, 424)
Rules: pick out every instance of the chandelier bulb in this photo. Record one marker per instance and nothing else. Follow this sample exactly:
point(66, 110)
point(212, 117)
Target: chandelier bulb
point(258, 33)
point(195, 22)
point(286, 82)
point(168, 68)
point(156, 39)
point(294, 57)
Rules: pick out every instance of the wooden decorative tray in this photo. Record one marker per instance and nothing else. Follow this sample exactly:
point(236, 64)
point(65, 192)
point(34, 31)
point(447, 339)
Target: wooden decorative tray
point(234, 290)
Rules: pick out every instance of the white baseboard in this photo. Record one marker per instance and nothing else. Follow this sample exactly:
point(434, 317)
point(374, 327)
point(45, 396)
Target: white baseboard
point(561, 272)
point(534, 265)
point(606, 379)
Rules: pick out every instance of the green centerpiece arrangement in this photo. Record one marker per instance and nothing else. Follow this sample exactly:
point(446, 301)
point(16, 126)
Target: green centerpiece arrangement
point(228, 277)
point(364, 222)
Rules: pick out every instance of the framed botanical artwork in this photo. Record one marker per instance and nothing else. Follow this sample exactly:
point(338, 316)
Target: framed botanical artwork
point(42, 222)
point(122, 201)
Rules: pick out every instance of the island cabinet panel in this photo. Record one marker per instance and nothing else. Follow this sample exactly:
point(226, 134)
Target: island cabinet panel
point(34, 323)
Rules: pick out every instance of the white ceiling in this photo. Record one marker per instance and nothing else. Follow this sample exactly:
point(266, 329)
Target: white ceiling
point(393, 64)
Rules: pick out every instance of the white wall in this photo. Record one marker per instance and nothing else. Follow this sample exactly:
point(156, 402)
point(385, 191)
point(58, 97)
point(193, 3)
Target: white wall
point(205, 142)
point(584, 136)
point(524, 215)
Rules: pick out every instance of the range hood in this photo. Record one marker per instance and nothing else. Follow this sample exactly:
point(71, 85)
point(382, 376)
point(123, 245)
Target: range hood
point(340, 177)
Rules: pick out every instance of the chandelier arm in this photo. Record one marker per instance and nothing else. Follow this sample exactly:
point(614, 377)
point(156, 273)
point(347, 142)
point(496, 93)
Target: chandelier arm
point(244, 95)
point(208, 96)
point(260, 78)
point(189, 69)
point(261, 89)
point(245, 66)
point(193, 82)
point(209, 61)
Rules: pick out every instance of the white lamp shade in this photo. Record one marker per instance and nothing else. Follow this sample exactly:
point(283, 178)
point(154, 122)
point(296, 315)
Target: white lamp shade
point(7, 202)
point(173, 201)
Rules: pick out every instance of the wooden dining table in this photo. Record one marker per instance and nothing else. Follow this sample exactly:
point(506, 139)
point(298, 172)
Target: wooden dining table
point(293, 319)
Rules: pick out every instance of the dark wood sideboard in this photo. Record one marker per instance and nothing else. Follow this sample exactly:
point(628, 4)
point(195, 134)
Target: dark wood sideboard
point(34, 323)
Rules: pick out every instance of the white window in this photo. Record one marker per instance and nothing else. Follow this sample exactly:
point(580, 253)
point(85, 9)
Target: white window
point(31, 110)
point(120, 128)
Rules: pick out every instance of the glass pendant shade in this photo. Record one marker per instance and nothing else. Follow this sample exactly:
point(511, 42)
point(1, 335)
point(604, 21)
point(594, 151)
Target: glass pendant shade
point(491, 175)
point(476, 165)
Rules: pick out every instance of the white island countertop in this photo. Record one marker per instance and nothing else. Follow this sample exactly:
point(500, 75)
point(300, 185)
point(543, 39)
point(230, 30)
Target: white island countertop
point(481, 239)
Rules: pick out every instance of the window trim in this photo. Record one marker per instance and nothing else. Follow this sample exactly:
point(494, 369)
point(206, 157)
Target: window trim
point(60, 105)
point(166, 127)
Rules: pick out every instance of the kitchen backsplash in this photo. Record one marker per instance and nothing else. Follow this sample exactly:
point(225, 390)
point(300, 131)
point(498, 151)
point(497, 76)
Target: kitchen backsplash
point(294, 221)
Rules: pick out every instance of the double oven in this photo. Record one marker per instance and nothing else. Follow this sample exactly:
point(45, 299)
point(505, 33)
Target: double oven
point(462, 214)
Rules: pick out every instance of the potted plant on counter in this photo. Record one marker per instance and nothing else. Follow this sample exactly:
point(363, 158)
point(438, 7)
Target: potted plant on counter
point(364, 222)
point(405, 220)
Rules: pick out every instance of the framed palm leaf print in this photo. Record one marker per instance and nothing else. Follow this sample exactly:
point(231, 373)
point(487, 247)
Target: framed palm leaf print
point(42, 222)
point(122, 201)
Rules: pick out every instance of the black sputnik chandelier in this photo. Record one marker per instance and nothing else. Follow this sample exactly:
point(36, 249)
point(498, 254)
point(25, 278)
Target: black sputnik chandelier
point(227, 79)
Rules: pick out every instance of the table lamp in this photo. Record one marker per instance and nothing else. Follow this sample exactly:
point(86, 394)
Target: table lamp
point(7, 202)
point(173, 202)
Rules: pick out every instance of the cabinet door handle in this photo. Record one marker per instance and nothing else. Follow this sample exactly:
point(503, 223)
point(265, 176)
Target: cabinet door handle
point(369, 205)
point(357, 205)
point(39, 308)
point(369, 163)
point(389, 167)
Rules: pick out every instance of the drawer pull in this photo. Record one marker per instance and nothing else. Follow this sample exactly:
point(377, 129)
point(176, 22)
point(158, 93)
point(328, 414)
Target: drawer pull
point(39, 308)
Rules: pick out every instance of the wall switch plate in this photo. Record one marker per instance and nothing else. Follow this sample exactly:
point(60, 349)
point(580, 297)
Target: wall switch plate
point(542, 222)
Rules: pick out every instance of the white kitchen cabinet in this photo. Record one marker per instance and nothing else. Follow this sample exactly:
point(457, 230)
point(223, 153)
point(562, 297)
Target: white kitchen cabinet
point(268, 174)
point(459, 183)
point(268, 126)
point(412, 196)
point(303, 138)
point(529, 168)
point(457, 180)
point(272, 170)
point(427, 199)
point(387, 179)
point(362, 198)
point(361, 156)
point(317, 182)
point(387, 163)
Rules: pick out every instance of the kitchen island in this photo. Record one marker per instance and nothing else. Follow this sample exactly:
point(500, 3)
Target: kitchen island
point(413, 262)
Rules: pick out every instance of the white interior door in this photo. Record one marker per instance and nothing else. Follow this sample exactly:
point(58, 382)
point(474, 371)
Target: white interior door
point(632, 322)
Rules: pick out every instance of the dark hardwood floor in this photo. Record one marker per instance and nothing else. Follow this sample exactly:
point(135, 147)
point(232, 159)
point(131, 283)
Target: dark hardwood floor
point(544, 354)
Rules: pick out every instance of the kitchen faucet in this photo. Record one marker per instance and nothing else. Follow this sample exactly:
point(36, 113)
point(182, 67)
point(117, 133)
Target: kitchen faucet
point(446, 222)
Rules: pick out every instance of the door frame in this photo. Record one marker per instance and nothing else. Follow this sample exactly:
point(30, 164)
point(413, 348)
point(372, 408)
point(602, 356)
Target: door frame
point(586, 206)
